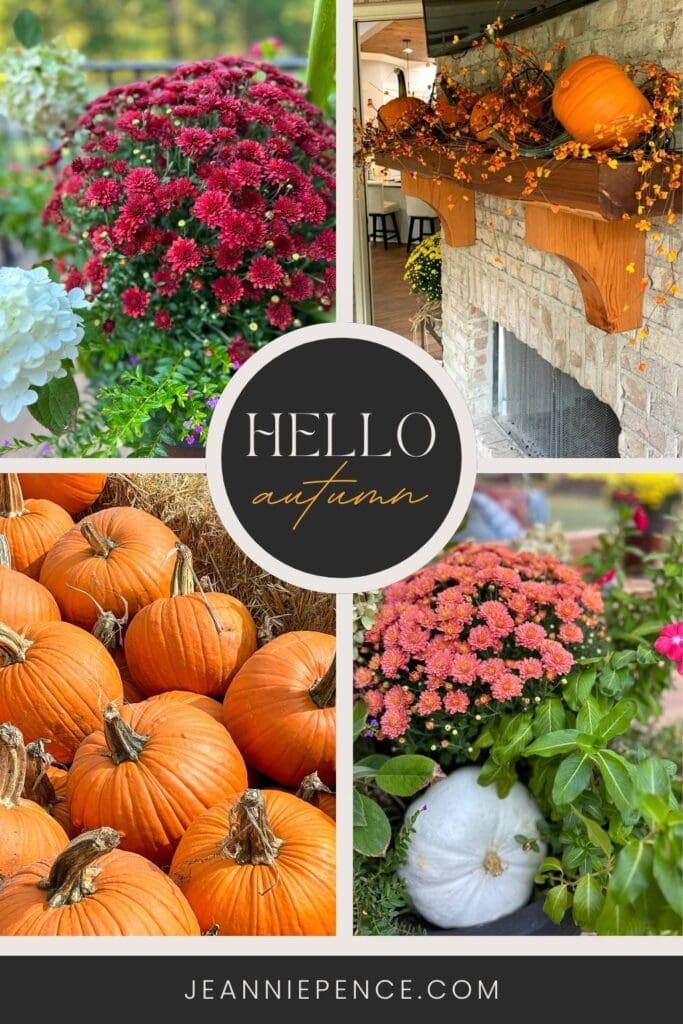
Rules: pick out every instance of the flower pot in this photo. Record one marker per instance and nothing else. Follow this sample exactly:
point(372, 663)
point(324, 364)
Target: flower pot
point(184, 451)
point(530, 920)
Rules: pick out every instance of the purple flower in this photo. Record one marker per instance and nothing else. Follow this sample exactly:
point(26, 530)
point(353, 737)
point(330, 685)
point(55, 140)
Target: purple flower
point(133, 360)
point(212, 402)
point(189, 393)
point(46, 450)
point(198, 428)
point(187, 424)
point(374, 722)
point(424, 807)
point(189, 439)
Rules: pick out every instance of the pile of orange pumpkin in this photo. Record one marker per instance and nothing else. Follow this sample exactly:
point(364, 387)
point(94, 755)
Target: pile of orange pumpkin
point(139, 721)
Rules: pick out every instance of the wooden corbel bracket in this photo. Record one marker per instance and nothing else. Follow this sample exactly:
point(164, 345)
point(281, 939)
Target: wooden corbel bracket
point(454, 205)
point(598, 253)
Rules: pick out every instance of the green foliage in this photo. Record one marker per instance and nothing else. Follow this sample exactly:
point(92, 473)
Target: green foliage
point(322, 52)
point(27, 29)
point(57, 404)
point(23, 195)
point(381, 905)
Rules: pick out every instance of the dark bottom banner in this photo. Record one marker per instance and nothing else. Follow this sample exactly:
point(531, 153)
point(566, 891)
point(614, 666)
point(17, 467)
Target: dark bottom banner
point(377, 988)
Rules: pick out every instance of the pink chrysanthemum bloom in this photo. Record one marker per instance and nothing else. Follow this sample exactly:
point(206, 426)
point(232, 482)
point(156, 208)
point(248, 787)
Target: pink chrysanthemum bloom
point(670, 643)
point(484, 631)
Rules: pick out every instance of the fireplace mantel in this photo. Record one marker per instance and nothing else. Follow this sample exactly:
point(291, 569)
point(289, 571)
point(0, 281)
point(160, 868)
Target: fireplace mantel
point(577, 213)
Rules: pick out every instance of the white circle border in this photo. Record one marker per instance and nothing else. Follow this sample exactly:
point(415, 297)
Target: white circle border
point(329, 584)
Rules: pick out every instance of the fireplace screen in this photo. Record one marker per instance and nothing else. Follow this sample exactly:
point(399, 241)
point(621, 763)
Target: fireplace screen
point(545, 411)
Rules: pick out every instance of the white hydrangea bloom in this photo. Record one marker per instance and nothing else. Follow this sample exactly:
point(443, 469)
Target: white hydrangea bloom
point(38, 330)
point(42, 89)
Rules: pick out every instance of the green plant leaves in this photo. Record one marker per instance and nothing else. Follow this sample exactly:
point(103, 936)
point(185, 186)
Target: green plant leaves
point(588, 902)
point(652, 776)
point(512, 739)
point(589, 715)
point(27, 29)
point(573, 776)
point(57, 404)
point(557, 902)
point(550, 716)
point(560, 742)
point(632, 872)
point(597, 836)
point(616, 919)
point(371, 828)
point(407, 774)
point(360, 717)
point(579, 686)
point(616, 775)
point(617, 720)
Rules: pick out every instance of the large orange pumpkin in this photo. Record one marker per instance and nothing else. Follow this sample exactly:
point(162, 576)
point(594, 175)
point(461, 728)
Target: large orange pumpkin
point(22, 600)
point(117, 558)
point(598, 104)
point(27, 832)
point(280, 708)
point(54, 680)
point(314, 791)
point(195, 700)
point(31, 527)
point(403, 112)
point(263, 864)
point(189, 641)
point(149, 772)
point(92, 888)
point(454, 103)
point(73, 491)
point(46, 784)
point(486, 115)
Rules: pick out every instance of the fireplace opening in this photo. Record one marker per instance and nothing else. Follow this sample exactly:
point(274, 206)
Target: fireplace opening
point(544, 411)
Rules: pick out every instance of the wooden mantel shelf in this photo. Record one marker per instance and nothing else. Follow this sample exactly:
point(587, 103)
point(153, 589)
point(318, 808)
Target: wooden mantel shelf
point(577, 213)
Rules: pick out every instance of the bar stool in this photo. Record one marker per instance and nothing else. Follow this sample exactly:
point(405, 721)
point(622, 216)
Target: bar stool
point(380, 213)
point(422, 221)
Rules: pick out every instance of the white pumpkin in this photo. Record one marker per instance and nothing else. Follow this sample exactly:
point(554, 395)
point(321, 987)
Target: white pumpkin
point(464, 866)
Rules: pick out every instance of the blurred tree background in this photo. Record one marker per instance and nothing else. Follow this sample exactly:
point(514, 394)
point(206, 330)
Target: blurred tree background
point(131, 30)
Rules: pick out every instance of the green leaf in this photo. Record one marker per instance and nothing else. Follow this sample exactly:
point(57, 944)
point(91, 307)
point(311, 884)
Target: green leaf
point(652, 776)
point(612, 681)
point(549, 866)
point(504, 775)
point(358, 809)
point(373, 761)
point(589, 716)
point(616, 775)
point(322, 52)
point(57, 404)
point(372, 837)
point(27, 29)
point(632, 872)
point(360, 717)
point(653, 808)
point(557, 901)
point(579, 685)
point(406, 774)
point(559, 742)
point(588, 901)
point(573, 775)
point(623, 658)
point(667, 873)
point(513, 739)
point(617, 720)
point(363, 771)
point(598, 836)
point(615, 919)
point(549, 717)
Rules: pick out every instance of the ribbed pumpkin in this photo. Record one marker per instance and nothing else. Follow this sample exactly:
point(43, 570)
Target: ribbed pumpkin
point(32, 527)
point(401, 113)
point(110, 631)
point(27, 832)
point(280, 708)
point(454, 103)
point(73, 491)
point(486, 115)
point(92, 888)
point(597, 103)
point(54, 680)
point(194, 700)
point(117, 557)
point(189, 641)
point(261, 865)
point(314, 791)
point(22, 600)
point(46, 784)
point(150, 771)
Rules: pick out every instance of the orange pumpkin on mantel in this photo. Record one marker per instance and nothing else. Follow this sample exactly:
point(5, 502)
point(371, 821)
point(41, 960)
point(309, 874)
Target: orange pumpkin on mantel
point(597, 103)
point(454, 104)
point(75, 492)
point(486, 115)
point(32, 527)
point(401, 113)
point(117, 558)
point(22, 600)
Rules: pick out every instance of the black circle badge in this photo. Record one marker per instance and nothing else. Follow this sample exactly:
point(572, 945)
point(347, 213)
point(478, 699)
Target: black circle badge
point(341, 457)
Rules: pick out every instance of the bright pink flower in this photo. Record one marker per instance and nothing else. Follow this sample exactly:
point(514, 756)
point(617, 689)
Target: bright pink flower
point(529, 668)
point(393, 660)
point(265, 272)
point(103, 192)
point(394, 723)
point(507, 686)
point(456, 702)
point(530, 635)
point(567, 610)
point(490, 669)
point(497, 617)
point(640, 519)
point(464, 667)
point(570, 633)
point(670, 643)
point(135, 302)
point(362, 677)
point(556, 658)
point(183, 255)
point(163, 320)
point(607, 578)
point(481, 639)
point(428, 702)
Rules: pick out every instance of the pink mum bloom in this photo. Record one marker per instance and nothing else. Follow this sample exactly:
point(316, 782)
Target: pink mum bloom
point(456, 702)
point(464, 667)
point(570, 633)
point(529, 668)
point(393, 660)
point(394, 723)
point(530, 635)
point(429, 702)
point(497, 617)
point(374, 701)
point(670, 643)
point(556, 658)
point(491, 669)
point(481, 638)
point(567, 610)
point(362, 677)
point(507, 686)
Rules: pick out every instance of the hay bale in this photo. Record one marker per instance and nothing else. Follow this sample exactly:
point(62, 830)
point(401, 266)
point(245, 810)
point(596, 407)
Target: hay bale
point(183, 502)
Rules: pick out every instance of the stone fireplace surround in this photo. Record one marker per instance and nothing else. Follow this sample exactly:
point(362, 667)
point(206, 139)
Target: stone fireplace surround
point(534, 294)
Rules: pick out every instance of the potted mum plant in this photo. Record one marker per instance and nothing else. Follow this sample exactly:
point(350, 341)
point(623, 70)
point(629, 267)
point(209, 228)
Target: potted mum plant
point(519, 676)
point(423, 273)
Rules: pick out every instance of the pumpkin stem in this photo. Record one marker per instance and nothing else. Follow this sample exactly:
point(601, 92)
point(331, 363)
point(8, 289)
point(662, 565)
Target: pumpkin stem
point(12, 765)
point(250, 839)
point(38, 786)
point(324, 690)
point(310, 787)
point(124, 743)
point(13, 645)
point(182, 581)
point(493, 864)
point(99, 545)
point(11, 497)
point(72, 876)
point(107, 629)
point(5, 554)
